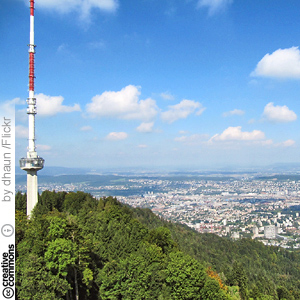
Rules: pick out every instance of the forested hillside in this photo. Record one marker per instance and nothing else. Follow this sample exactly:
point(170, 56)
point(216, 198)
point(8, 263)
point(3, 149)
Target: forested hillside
point(77, 247)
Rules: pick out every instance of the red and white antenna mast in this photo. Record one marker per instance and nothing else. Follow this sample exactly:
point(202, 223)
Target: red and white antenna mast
point(31, 99)
point(32, 163)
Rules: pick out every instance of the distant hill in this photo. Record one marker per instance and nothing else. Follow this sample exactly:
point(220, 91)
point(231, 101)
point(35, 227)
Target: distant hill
point(289, 168)
point(67, 179)
point(279, 177)
point(55, 171)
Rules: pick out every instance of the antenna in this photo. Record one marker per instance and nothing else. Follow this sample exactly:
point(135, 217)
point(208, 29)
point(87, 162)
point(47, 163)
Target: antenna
point(32, 163)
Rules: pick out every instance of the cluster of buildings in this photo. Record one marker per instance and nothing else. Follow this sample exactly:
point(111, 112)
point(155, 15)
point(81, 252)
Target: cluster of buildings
point(260, 209)
point(242, 206)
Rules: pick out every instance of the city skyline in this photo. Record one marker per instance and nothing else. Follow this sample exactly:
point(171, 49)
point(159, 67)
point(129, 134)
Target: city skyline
point(156, 84)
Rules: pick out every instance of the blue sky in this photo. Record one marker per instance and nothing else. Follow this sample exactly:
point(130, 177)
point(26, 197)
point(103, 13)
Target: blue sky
point(159, 84)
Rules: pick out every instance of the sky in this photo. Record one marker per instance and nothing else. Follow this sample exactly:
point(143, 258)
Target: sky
point(178, 84)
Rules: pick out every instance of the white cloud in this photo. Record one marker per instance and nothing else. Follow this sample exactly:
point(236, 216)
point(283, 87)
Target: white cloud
point(183, 132)
point(235, 112)
point(43, 147)
point(266, 142)
point(117, 136)
point(21, 131)
point(287, 143)
point(62, 48)
point(182, 110)
point(167, 96)
point(66, 51)
point(236, 134)
point(214, 6)
point(145, 127)
point(124, 104)
point(20, 114)
point(83, 7)
point(282, 63)
point(192, 139)
point(86, 128)
point(52, 105)
point(8, 107)
point(142, 146)
point(280, 114)
point(96, 45)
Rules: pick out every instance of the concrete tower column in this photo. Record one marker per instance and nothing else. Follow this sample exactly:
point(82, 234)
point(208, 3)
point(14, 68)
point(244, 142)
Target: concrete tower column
point(32, 190)
point(32, 163)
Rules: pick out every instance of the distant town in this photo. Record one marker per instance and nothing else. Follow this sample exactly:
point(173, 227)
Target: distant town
point(234, 206)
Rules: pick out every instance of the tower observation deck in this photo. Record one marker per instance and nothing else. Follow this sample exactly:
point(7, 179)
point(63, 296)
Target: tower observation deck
point(32, 162)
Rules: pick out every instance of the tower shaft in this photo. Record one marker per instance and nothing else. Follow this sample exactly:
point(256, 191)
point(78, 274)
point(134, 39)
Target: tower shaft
point(32, 163)
point(32, 190)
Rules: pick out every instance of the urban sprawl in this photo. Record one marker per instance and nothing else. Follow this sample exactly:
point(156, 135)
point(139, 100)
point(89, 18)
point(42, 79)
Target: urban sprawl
point(242, 206)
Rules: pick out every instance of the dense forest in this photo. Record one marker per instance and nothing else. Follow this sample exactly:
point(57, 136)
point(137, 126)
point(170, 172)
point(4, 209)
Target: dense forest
point(77, 247)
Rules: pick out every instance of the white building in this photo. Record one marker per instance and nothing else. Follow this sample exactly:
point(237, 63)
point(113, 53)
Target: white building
point(270, 232)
